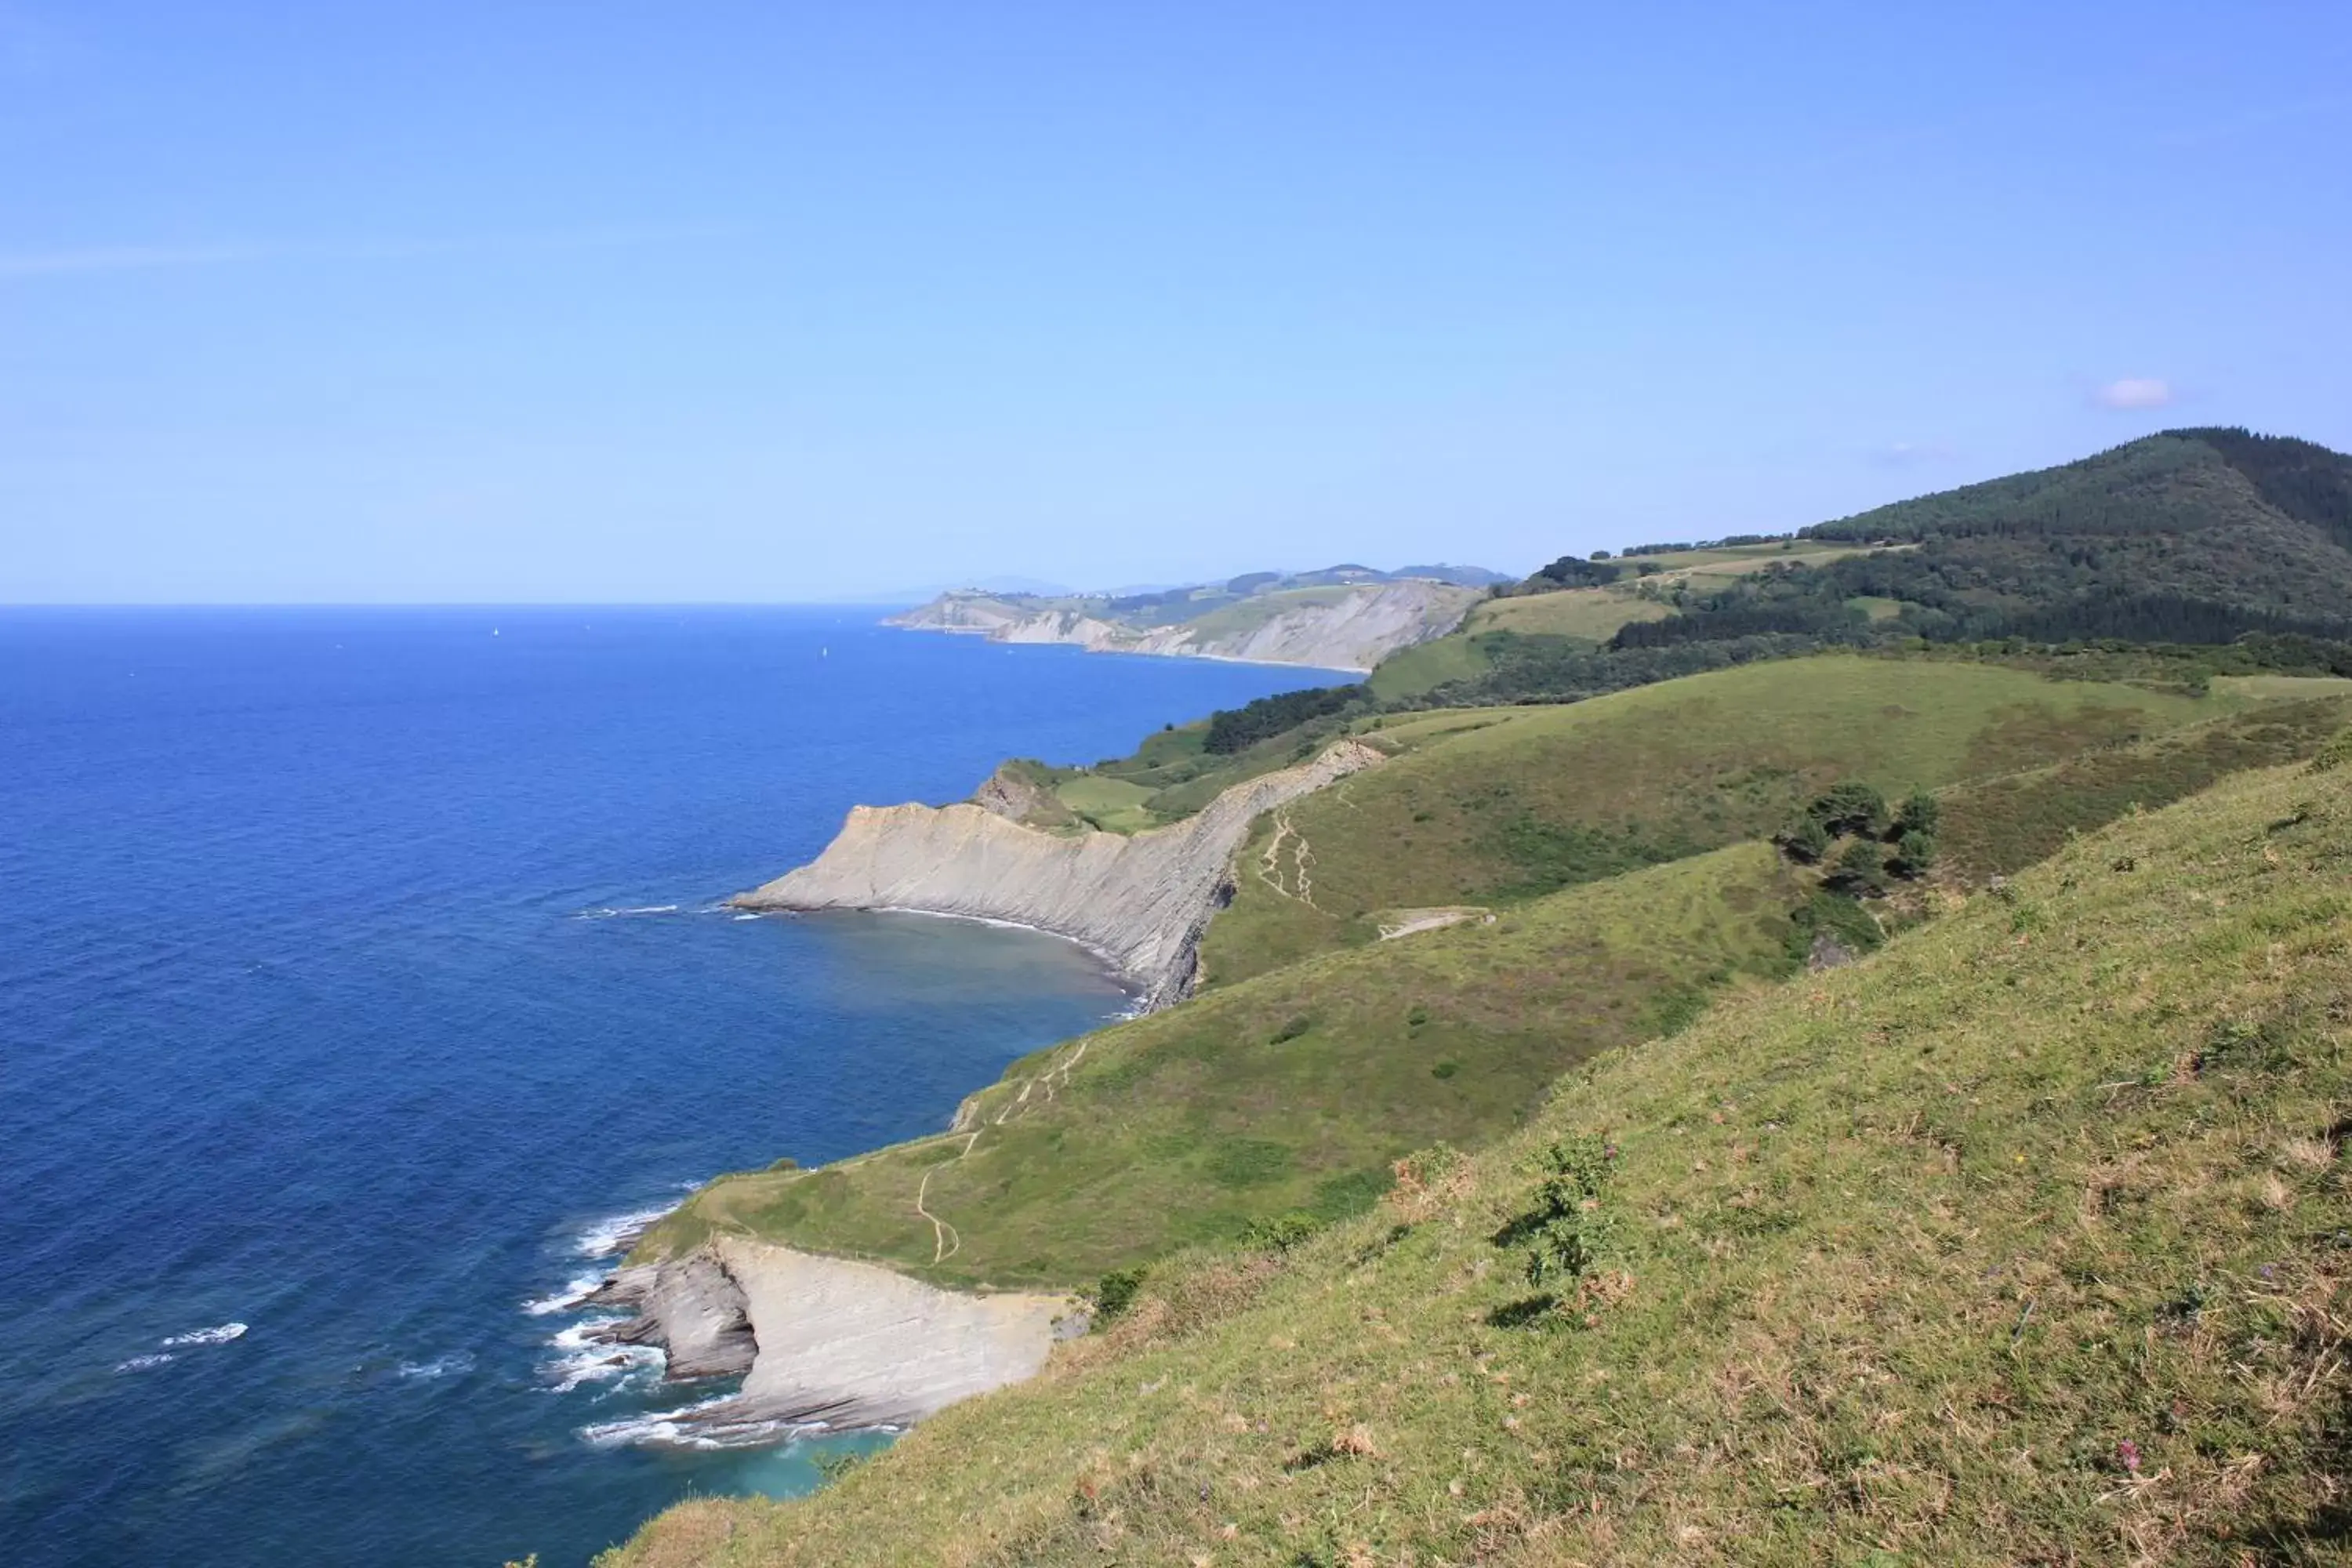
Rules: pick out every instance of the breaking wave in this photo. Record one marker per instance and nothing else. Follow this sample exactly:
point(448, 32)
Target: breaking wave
point(219, 1334)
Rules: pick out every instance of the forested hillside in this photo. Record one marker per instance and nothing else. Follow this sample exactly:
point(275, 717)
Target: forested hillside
point(2193, 538)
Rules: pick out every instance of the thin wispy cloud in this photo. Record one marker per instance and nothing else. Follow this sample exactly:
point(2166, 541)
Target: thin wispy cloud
point(2132, 392)
point(104, 259)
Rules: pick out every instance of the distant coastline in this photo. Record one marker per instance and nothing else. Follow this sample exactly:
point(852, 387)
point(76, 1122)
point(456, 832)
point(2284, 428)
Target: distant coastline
point(1345, 618)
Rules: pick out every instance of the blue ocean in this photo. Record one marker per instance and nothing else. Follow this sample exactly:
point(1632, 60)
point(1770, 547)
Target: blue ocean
point(364, 974)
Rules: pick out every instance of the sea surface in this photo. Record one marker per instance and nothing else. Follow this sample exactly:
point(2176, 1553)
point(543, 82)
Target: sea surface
point(362, 972)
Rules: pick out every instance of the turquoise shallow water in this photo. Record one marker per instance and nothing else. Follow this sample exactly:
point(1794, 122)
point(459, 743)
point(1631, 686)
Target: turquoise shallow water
point(359, 971)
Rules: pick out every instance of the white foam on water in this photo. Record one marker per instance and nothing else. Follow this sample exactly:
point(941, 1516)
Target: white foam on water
point(678, 1429)
point(142, 1362)
point(583, 1359)
point(617, 914)
point(616, 1232)
point(579, 1288)
point(220, 1334)
point(439, 1366)
point(747, 917)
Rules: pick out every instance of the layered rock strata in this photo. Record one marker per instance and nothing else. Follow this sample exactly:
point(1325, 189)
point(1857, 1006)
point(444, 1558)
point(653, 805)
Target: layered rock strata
point(826, 1341)
point(1142, 900)
point(1354, 630)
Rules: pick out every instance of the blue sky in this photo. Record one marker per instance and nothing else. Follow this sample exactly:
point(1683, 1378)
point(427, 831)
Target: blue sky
point(583, 301)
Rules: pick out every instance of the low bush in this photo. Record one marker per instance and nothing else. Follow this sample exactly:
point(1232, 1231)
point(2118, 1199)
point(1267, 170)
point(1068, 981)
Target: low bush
point(1280, 1233)
point(1115, 1292)
point(1562, 1232)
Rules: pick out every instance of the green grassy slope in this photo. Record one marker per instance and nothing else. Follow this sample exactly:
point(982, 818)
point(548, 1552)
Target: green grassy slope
point(1535, 798)
point(2002, 825)
point(1582, 615)
point(2023, 1241)
point(1293, 1091)
point(1594, 614)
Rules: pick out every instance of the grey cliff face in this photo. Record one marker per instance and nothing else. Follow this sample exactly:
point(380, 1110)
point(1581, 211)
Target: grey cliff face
point(1355, 630)
point(691, 1308)
point(824, 1341)
point(1142, 900)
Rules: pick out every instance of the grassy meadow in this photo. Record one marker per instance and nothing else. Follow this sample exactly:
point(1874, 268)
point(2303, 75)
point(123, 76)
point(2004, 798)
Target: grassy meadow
point(1293, 1092)
point(1594, 614)
point(1492, 806)
point(2028, 1239)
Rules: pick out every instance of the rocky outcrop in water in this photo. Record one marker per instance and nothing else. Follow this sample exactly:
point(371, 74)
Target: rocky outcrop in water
point(1142, 900)
point(824, 1341)
point(691, 1308)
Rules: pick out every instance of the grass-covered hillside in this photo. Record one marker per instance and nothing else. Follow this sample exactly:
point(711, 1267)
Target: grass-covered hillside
point(1545, 610)
point(1291, 1093)
point(2028, 1239)
point(1289, 1088)
point(1493, 806)
point(2194, 537)
point(1175, 771)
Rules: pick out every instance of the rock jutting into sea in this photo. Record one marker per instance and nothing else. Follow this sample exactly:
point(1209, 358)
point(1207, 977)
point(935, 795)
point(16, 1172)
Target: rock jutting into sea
point(825, 1341)
point(1142, 900)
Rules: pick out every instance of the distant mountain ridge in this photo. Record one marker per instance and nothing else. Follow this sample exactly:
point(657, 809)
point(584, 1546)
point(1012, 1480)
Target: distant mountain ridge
point(1338, 617)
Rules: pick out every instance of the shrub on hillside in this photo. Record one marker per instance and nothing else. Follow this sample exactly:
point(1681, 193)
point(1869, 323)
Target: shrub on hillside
point(1280, 1233)
point(1919, 814)
point(1806, 840)
point(1852, 806)
point(1115, 1292)
point(1564, 1230)
point(1861, 870)
point(1915, 852)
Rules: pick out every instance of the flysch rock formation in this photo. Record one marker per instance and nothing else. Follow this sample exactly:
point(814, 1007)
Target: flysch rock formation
point(1142, 900)
point(1353, 632)
point(824, 1341)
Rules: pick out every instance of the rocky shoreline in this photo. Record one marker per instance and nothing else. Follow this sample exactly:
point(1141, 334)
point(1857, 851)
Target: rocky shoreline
point(825, 1343)
point(837, 1344)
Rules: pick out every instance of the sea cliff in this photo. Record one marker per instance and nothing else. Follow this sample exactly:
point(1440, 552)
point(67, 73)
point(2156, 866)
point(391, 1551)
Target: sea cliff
point(1142, 900)
point(843, 1343)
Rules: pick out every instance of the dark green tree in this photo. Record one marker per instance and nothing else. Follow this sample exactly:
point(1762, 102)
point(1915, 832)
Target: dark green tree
point(1919, 814)
point(1116, 1292)
point(1806, 839)
point(1861, 868)
point(1915, 852)
point(1851, 807)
